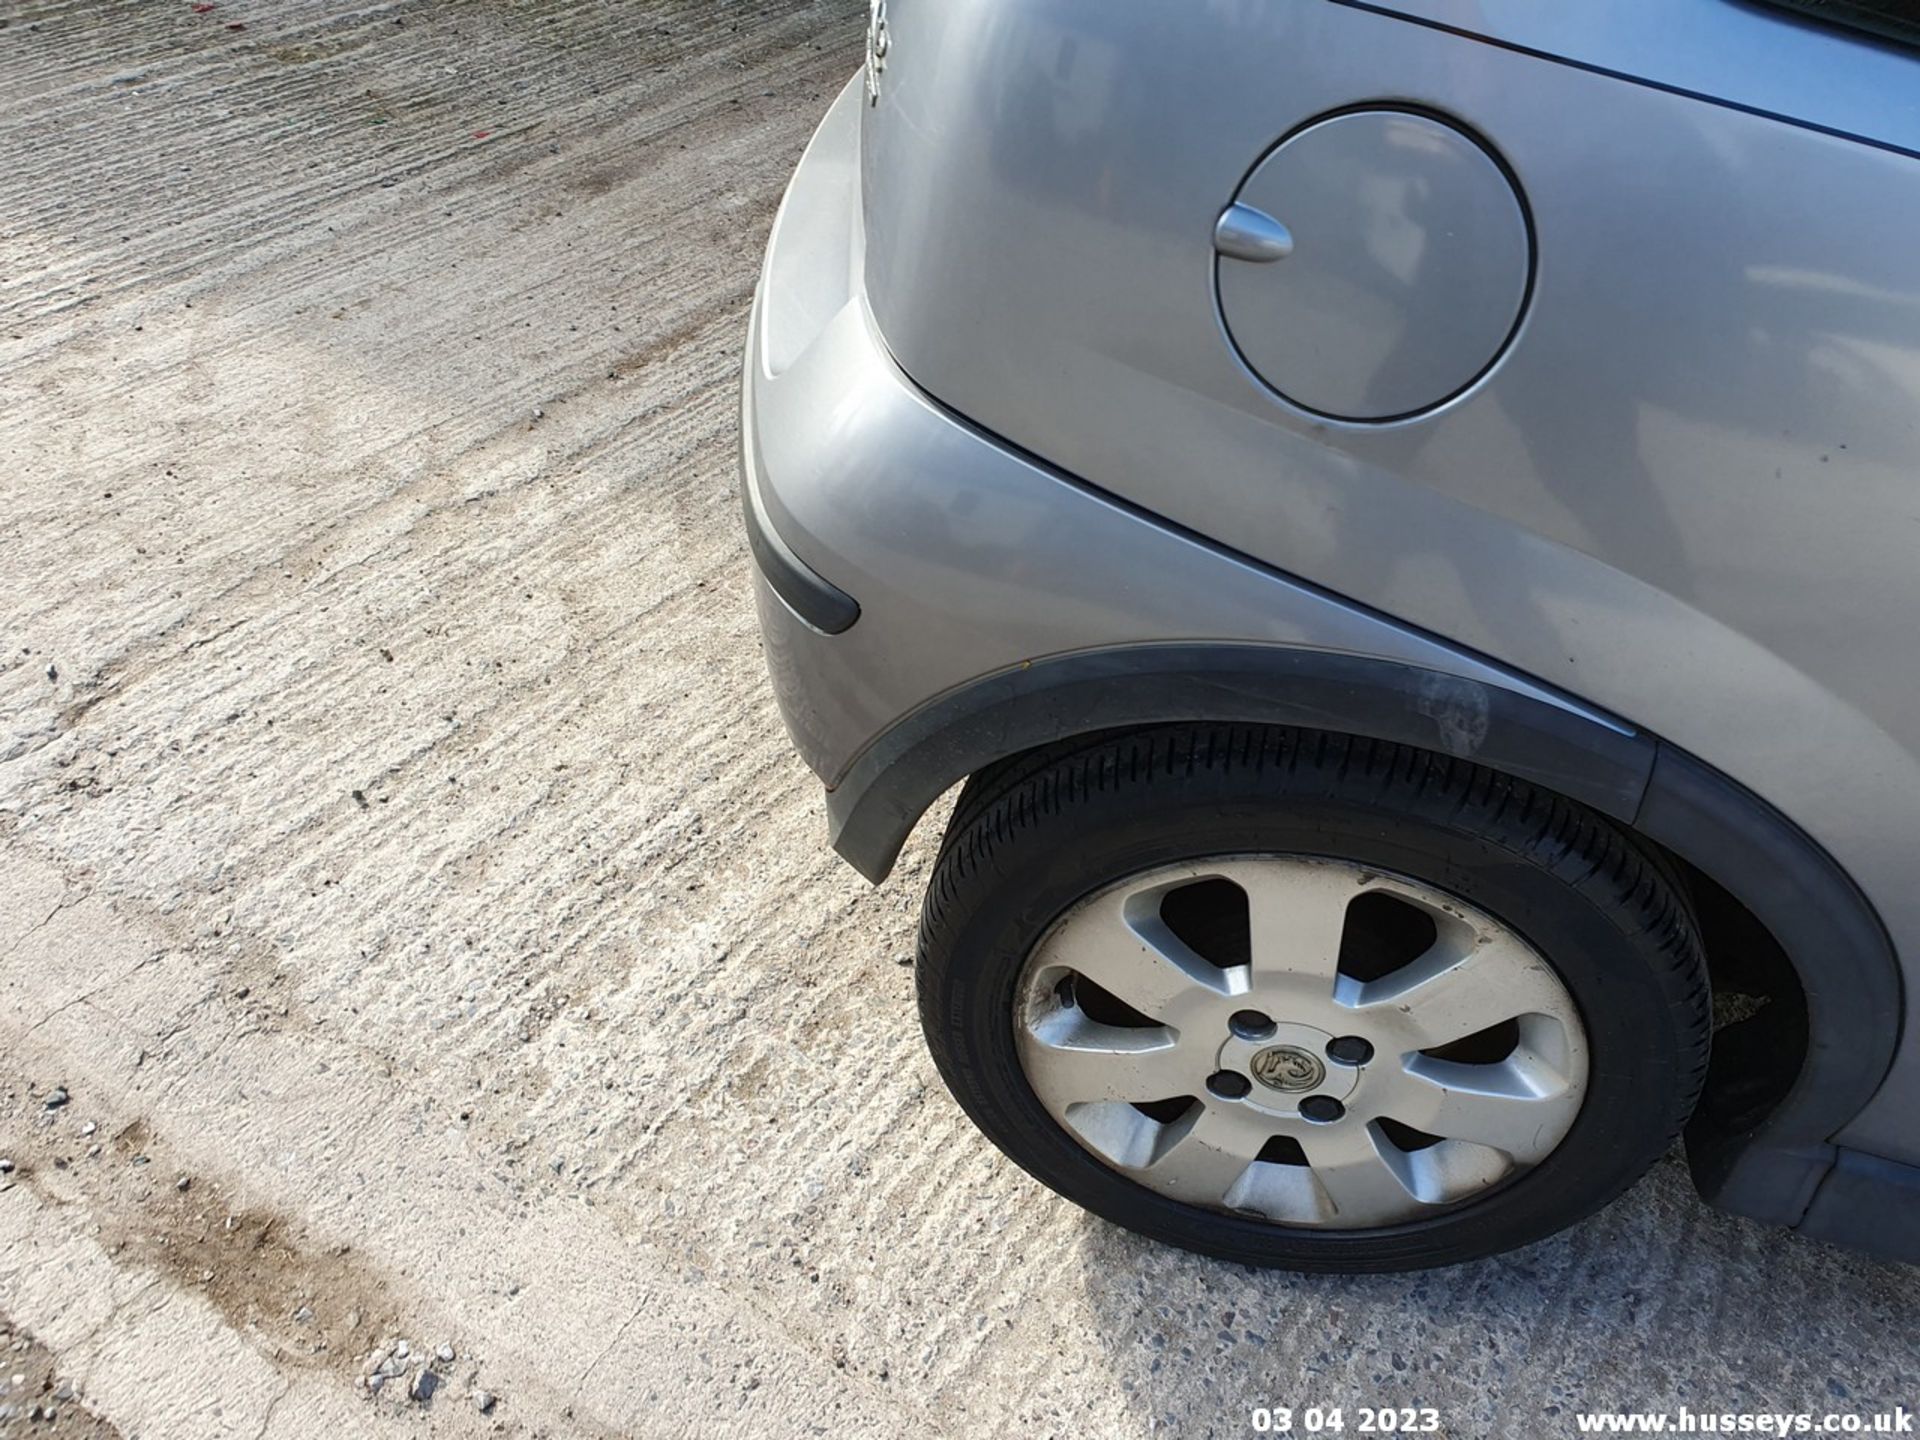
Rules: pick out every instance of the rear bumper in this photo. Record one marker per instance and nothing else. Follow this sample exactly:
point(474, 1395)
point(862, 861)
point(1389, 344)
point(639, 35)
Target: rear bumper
point(816, 602)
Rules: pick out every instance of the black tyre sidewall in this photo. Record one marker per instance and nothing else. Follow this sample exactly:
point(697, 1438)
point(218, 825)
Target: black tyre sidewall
point(1640, 1010)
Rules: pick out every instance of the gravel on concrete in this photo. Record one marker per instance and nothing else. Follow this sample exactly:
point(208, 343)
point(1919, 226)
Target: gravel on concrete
point(398, 838)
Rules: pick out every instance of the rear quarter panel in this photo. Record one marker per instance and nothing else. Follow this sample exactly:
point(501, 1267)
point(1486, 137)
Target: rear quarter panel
point(1687, 493)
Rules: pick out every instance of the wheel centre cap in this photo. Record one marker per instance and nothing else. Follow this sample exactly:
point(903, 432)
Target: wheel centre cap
point(1287, 1066)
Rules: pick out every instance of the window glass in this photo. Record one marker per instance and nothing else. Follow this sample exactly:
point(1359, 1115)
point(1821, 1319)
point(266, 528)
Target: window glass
point(1895, 19)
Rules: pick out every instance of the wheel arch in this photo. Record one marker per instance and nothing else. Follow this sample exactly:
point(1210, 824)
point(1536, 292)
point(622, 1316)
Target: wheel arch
point(1767, 1166)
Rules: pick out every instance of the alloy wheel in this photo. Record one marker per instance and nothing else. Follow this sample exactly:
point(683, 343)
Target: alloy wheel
point(1310, 1042)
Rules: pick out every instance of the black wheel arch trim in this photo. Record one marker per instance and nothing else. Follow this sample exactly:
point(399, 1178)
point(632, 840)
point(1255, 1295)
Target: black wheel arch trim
point(1831, 936)
point(1867, 1202)
point(890, 784)
point(1839, 950)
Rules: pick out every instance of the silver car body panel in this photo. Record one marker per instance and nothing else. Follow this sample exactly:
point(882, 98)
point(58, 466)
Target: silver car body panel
point(966, 557)
point(1685, 493)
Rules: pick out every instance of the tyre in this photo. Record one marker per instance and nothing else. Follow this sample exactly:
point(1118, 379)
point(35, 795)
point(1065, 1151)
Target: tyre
point(1298, 999)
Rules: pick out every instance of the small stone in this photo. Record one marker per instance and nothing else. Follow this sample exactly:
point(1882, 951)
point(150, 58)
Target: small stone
point(303, 1316)
point(402, 1350)
point(375, 1381)
point(424, 1384)
point(538, 413)
point(139, 1058)
point(445, 1352)
point(63, 1391)
point(93, 1150)
point(483, 1401)
point(6, 1167)
point(184, 1182)
point(88, 1128)
point(58, 1098)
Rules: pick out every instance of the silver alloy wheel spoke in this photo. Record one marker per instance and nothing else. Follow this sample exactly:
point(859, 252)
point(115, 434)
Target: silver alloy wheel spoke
point(1517, 1108)
point(1464, 985)
point(1075, 1059)
point(1226, 1076)
point(1146, 965)
point(1362, 1184)
point(1206, 1159)
point(1295, 916)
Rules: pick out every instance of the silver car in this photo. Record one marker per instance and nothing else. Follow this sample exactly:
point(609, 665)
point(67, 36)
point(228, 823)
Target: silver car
point(1405, 516)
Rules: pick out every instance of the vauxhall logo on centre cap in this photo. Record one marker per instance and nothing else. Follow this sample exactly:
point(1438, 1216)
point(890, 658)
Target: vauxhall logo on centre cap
point(878, 42)
point(1286, 1067)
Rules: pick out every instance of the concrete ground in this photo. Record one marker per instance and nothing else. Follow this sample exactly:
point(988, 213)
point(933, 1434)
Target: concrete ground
point(413, 924)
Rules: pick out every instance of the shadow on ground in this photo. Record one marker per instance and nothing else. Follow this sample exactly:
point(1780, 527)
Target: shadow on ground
point(1656, 1303)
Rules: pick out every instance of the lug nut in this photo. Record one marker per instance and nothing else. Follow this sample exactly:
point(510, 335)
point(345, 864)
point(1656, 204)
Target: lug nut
point(1322, 1109)
point(1349, 1050)
point(1250, 1025)
point(1227, 1085)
